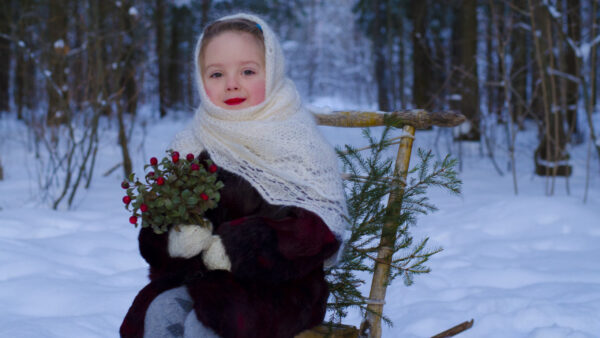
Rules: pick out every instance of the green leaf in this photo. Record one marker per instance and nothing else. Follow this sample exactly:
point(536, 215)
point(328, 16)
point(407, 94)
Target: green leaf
point(168, 204)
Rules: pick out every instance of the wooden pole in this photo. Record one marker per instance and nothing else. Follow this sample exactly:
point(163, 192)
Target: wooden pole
point(418, 118)
point(381, 274)
point(451, 332)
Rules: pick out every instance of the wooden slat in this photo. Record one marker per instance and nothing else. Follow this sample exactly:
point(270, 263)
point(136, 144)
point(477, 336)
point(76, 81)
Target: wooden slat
point(418, 118)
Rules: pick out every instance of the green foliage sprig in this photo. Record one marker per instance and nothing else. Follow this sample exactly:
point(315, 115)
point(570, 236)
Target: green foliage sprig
point(176, 191)
point(370, 180)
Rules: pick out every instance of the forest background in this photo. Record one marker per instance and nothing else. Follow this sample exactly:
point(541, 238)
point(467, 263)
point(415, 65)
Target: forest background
point(68, 64)
point(77, 72)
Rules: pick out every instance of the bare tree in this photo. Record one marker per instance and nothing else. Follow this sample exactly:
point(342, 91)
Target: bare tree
point(5, 52)
point(161, 57)
point(465, 42)
point(421, 55)
point(25, 84)
point(56, 84)
point(550, 155)
point(572, 87)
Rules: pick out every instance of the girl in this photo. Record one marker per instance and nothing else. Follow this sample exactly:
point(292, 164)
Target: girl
point(259, 272)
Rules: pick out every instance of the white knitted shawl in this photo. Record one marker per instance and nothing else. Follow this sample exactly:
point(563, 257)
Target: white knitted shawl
point(274, 145)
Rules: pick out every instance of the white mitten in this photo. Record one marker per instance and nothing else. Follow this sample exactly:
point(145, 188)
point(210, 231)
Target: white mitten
point(189, 240)
point(215, 257)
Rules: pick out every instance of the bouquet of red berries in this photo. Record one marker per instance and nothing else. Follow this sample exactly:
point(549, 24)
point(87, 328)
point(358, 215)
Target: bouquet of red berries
point(176, 191)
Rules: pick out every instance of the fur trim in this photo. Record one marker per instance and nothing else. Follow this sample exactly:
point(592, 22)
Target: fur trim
point(187, 241)
point(215, 257)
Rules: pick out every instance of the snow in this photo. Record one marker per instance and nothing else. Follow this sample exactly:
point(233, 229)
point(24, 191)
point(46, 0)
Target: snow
point(552, 10)
point(59, 44)
point(584, 51)
point(519, 265)
point(133, 11)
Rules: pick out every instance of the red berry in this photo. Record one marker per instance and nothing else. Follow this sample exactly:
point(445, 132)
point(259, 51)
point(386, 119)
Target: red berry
point(194, 167)
point(175, 157)
point(189, 157)
point(160, 180)
point(126, 199)
point(143, 207)
point(212, 169)
point(204, 196)
point(124, 185)
point(133, 220)
point(153, 161)
point(151, 174)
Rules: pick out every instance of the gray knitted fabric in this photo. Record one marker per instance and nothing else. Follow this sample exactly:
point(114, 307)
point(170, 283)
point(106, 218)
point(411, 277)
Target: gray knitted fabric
point(171, 315)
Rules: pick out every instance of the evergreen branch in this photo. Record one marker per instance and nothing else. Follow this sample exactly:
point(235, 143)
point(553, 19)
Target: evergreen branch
point(369, 182)
point(392, 141)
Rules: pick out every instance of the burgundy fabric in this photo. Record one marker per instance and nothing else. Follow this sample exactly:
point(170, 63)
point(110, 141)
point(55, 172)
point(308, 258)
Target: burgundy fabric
point(276, 287)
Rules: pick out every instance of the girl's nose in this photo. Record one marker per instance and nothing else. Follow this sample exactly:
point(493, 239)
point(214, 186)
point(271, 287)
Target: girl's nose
point(232, 83)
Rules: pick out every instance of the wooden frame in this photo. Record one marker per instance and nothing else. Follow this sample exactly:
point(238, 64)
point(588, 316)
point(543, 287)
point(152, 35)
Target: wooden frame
point(409, 121)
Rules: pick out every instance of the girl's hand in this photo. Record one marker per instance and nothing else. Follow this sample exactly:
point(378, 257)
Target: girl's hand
point(187, 241)
point(215, 257)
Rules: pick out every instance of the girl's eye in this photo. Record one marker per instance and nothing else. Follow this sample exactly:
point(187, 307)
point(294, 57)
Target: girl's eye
point(216, 75)
point(249, 72)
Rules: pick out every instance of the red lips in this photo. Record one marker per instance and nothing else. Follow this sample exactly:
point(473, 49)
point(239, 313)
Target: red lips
point(234, 101)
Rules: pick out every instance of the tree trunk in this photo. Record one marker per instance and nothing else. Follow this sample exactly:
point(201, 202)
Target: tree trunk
point(25, 88)
point(5, 54)
point(389, 41)
point(160, 54)
point(401, 68)
point(493, 102)
point(126, 74)
point(520, 55)
point(96, 64)
point(206, 4)
point(56, 84)
point(129, 59)
point(595, 18)
point(77, 63)
point(313, 48)
point(380, 62)
point(421, 55)
point(572, 88)
point(551, 152)
point(173, 70)
point(468, 86)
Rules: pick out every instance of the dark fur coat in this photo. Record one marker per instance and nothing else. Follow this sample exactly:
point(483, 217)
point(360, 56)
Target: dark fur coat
point(276, 287)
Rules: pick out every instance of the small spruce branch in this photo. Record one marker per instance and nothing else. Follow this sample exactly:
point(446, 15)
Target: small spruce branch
point(369, 183)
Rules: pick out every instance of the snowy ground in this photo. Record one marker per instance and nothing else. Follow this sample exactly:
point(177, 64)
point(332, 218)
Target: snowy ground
point(523, 265)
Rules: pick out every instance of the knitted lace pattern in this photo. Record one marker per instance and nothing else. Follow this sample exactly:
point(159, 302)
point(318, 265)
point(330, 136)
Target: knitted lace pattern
point(275, 145)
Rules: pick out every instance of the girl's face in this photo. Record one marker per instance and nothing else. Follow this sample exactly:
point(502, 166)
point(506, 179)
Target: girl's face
point(233, 70)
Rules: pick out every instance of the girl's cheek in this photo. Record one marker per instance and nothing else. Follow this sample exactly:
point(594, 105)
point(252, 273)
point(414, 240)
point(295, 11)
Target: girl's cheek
point(260, 92)
point(210, 95)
